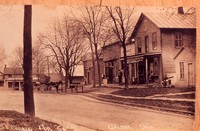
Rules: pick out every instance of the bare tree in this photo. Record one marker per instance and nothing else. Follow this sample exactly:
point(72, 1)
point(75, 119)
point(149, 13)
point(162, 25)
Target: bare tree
point(29, 106)
point(17, 60)
point(66, 43)
point(19, 56)
point(94, 25)
point(39, 59)
point(2, 55)
point(122, 27)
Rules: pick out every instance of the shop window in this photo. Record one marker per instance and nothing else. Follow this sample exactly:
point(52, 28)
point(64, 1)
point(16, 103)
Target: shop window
point(9, 75)
point(156, 67)
point(154, 40)
point(122, 64)
point(178, 40)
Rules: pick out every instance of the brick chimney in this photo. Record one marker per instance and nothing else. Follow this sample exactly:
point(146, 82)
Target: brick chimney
point(180, 10)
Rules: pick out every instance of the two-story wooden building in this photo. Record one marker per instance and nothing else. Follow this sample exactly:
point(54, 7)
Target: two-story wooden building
point(88, 68)
point(131, 60)
point(1, 79)
point(13, 78)
point(112, 62)
point(165, 46)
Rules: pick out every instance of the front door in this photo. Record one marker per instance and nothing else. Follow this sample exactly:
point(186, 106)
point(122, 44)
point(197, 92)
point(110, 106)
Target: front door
point(190, 74)
point(110, 77)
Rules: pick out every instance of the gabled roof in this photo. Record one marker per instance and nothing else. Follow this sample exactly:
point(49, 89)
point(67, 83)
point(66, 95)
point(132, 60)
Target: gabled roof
point(168, 21)
point(16, 71)
point(56, 77)
point(181, 50)
point(176, 20)
point(1, 73)
point(79, 71)
point(13, 71)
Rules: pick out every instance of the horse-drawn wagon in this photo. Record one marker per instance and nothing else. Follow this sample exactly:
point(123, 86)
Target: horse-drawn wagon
point(49, 83)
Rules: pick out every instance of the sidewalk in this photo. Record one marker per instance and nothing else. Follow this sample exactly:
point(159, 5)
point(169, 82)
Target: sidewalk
point(123, 86)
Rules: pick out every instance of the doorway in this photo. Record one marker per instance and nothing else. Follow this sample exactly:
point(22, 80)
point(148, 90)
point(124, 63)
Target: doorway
point(190, 74)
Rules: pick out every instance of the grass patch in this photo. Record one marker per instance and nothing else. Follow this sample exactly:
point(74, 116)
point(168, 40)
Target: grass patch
point(182, 96)
point(14, 121)
point(143, 92)
point(182, 107)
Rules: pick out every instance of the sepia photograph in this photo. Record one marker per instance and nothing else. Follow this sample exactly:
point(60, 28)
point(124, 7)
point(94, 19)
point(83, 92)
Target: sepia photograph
point(97, 68)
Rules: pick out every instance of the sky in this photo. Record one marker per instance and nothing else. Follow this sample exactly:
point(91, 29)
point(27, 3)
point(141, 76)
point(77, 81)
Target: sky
point(11, 23)
point(11, 27)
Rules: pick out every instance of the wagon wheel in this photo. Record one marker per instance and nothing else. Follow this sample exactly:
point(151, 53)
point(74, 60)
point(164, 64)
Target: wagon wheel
point(43, 87)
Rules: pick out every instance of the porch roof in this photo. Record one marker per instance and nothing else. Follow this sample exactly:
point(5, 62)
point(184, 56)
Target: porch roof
point(140, 57)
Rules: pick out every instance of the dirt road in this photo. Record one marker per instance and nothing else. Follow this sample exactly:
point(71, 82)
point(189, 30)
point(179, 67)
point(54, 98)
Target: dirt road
point(70, 109)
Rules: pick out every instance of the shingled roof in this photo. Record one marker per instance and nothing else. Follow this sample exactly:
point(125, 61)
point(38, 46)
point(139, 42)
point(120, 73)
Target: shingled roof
point(176, 20)
point(15, 71)
point(56, 77)
point(11, 71)
point(168, 21)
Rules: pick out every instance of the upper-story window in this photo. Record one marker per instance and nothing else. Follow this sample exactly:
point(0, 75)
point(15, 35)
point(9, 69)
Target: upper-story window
point(146, 44)
point(139, 45)
point(9, 75)
point(178, 40)
point(154, 41)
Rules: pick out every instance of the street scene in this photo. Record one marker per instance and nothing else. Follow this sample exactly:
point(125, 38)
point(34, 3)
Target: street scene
point(98, 68)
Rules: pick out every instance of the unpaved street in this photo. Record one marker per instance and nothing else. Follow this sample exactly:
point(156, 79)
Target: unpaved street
point(94, 114)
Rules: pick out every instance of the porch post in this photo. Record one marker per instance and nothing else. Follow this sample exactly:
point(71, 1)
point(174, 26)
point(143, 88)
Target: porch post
point(130, 73)
point(138, 79)
point(160, 68)
point(146, 63)
point(20, 88)
point(135, 71)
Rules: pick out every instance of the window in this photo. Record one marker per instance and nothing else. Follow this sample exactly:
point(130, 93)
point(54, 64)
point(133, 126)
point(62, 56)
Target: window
point(9, 75)
point(178, 40)
point(182, 70)
point(154, 41)
point(122, 64)
point(139, 45)
point(146, 44)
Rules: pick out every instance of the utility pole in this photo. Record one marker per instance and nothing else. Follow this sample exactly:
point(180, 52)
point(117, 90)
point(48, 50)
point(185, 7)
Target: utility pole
point(29, 106)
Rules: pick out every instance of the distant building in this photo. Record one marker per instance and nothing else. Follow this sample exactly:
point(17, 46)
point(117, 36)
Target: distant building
point(1, 79)
point(130, 52)
point(88, 69)
point(13, 78)
point(112, 62)
point(162, 45)
point(78, 76)
point(56, 77)
point(165, 46)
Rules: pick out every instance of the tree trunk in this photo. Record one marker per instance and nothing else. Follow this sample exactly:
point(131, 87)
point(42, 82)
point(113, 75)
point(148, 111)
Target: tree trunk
point(98, 66)
point(125, 66)
point(66, 79)
point(94, 71)
point(27, 63)
point(99, 72)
